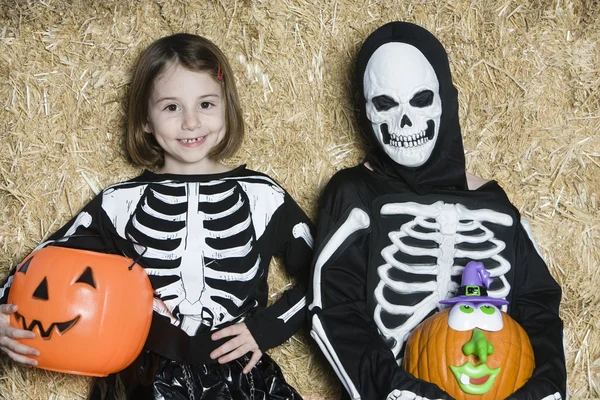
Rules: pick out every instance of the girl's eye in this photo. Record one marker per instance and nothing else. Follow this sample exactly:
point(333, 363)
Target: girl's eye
point(171, 107)
point(205, 105)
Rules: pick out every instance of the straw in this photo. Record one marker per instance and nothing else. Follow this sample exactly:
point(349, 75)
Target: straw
point(529, 89)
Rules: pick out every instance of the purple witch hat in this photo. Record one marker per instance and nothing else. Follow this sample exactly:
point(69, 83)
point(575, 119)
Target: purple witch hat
point(475, 282)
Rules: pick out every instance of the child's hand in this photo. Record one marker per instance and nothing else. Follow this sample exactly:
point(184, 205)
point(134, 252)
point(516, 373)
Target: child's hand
point(241, 343)
point(15, 350)
point(160, 307)
point(404, 395)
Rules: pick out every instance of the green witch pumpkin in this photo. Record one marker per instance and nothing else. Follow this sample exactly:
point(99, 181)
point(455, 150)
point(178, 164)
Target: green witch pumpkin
point(473, 350)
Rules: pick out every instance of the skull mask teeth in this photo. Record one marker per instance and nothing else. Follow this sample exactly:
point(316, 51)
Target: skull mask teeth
point(403, 102)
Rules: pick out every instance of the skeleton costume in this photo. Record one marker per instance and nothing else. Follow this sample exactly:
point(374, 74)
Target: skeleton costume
point(394, 237)
point(205, 242)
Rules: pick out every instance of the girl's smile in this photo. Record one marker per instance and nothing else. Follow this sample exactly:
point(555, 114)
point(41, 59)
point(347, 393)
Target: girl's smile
point(192, 142)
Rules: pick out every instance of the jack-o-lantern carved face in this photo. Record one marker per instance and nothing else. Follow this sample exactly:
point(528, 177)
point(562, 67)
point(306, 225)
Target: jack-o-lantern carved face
point(90, 312)
point(473, 351)
point(41, 293)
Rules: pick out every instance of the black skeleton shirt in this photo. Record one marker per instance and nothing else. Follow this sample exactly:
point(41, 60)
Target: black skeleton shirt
point(205, 242)
point(393, 240)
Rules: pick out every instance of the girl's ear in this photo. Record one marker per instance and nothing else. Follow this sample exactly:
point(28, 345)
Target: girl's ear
point(147, 127)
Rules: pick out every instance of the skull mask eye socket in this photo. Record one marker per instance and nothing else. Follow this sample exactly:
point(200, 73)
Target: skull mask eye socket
point(384, 103)
point(422, 99)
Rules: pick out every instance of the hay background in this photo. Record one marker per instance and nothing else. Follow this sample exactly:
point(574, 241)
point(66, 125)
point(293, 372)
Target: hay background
point(529, 82)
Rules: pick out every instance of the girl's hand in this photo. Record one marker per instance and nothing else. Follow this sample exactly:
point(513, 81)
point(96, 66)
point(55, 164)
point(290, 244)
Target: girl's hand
point(15, 350)
point(160, 307)
point(241, 343)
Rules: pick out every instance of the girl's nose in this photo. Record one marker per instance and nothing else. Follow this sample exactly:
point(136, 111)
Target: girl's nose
point(478, 346)
point(191, 121)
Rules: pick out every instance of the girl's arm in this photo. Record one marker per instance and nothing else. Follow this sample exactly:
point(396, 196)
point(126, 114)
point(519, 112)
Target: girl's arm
point(293, 241)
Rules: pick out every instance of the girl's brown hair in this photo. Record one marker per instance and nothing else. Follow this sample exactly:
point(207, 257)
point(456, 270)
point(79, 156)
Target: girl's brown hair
point(196, 54)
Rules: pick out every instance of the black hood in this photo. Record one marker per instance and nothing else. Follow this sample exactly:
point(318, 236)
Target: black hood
point(445, 168)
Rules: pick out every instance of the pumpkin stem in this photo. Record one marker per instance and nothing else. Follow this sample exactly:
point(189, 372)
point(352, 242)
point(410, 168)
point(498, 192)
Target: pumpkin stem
point(478, 346)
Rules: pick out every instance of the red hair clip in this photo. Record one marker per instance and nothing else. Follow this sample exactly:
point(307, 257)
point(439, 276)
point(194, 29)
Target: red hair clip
point(219, 73)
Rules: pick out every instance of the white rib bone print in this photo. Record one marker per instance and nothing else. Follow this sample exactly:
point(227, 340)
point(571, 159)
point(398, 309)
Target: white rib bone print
point(204, 278)
point(450, 227)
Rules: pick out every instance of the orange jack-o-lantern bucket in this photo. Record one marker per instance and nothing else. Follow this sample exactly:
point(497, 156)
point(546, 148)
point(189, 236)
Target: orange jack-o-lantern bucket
point(90, 312)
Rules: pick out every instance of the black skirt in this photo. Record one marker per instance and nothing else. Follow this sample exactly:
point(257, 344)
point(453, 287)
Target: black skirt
point(153, 377)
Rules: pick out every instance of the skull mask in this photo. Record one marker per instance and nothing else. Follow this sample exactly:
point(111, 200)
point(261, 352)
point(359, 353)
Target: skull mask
point(403, 102)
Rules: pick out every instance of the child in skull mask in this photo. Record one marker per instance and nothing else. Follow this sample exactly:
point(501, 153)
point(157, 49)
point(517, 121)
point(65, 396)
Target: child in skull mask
point(204, 232)
point(396, 231)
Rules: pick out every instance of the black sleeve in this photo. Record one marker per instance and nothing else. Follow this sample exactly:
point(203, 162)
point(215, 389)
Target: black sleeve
point(535, 305)
point(293, 241)
point(85, 231)
point(341, 324)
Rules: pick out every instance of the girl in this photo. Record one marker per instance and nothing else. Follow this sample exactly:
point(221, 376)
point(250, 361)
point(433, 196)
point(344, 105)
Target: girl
point(204, 232)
